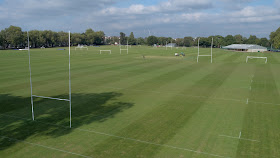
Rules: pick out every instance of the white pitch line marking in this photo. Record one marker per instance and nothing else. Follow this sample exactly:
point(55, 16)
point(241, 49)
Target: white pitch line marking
point(47, 147)
point(120, 137)
point(252, 140)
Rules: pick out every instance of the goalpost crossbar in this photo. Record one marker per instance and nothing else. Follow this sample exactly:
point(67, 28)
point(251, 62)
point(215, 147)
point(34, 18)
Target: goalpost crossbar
point(254, 57)
point(37, 96)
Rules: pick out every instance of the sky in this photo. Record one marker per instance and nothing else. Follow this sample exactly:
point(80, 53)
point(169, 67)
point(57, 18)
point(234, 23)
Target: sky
point(168, 18)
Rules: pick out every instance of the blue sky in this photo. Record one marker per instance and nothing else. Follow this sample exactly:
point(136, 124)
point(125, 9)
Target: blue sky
point(172, 18)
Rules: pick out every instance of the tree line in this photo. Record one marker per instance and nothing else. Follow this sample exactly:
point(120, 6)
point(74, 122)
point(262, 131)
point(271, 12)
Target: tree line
point(218, 41)
point(14, 37)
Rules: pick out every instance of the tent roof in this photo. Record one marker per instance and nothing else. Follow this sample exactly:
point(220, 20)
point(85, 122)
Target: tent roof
point(171, 45)
point(244, 46)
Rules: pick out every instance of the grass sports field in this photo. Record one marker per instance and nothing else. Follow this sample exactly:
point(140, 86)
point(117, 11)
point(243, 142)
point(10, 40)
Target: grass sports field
point(126, 106)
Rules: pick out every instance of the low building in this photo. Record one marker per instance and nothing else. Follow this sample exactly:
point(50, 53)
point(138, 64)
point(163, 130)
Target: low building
point(171, 45)
point(246, 48)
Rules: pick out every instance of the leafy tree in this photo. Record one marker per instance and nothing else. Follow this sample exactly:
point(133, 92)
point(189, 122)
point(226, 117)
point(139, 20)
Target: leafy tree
point(34, 38)
point(244, 39)
point(162, 40)
point(48, 38)
point(2, 39)
point(264, 42)
point(76, 38)
point(252, 40)
point(99, 37)
point(122, 38)
point(14, 36)
point(229, 39)
point(63, 39)
point(90, 35)
point(179, 42)
point(275, 38)
point(140, 41)
point(238, 39)
point(188, 41)
point(205, 42)
point(152, 40)
point(131, 39)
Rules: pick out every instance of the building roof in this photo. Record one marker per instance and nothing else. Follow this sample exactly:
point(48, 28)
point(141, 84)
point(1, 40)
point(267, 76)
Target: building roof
point(171, 45)
point(244, 46)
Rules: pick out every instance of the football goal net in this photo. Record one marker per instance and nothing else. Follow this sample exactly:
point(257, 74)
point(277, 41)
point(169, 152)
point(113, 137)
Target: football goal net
point(198, 55)
point(106, 51)
point(254, 57)
point(47, 97)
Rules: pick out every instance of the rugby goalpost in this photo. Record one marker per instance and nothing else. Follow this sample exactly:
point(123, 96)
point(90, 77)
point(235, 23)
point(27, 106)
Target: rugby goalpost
point(37, 96)
point(198, 55)
point(105, 51)
point(171, 46)
point(124, 49)
point(254, 57)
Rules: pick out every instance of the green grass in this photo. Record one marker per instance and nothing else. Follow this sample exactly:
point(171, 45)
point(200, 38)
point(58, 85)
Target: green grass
point(126, 106)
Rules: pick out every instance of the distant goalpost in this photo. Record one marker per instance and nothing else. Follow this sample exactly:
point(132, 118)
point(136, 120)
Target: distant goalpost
point(124, 49)
point(254, 57)
point(171, 46)
point(106, 51)
point(198, 55)
point(37, 96)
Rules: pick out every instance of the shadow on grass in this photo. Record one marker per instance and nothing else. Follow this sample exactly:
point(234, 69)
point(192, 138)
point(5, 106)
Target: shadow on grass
point(52, 116)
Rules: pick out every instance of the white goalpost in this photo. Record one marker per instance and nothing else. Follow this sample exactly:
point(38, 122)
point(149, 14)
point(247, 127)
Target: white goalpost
point(254, 57)
point(169, 45)
point(124, 49)
point(105, 51)
point(37, 96)
point(198, 55)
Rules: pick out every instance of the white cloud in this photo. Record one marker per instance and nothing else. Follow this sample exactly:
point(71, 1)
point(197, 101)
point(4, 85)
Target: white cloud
point(186, 4)
point(199, 16)
point(277, 3)
point(163, 7)
point(255, 14)
point(235, 4)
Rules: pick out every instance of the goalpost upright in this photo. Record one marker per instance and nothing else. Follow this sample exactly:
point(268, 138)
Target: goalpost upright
point(124, 49)
point(36, 96)
point(211, 55)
